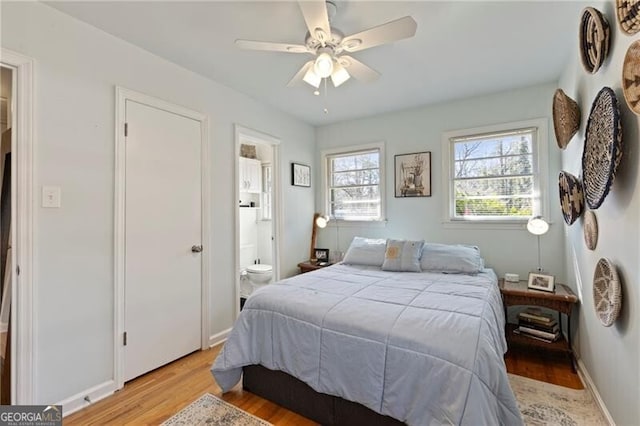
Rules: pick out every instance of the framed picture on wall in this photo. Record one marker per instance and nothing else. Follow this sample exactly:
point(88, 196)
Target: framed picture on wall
point(413, 175)
point(300, 175)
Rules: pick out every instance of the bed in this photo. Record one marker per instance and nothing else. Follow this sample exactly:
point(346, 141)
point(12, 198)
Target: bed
point(418, 347)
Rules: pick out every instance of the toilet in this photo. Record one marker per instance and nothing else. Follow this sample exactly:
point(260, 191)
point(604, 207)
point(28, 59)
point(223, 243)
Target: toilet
point(259, 275)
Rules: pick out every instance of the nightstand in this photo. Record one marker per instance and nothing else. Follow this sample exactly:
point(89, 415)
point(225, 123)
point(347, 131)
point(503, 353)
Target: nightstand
point(561, 301)
point(308, 266)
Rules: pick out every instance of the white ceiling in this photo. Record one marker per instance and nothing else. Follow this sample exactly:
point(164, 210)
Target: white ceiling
point(461, 49)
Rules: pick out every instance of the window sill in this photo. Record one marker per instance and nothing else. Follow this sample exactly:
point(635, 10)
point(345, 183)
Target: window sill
point(334, 223)
point(515, 225)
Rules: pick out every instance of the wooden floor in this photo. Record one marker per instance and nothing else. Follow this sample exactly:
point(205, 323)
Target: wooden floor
point(158, 395)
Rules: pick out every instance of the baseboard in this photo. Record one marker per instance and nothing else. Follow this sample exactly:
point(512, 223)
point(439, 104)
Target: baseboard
point(87, 397)
point(218, 338)
point(586, 379)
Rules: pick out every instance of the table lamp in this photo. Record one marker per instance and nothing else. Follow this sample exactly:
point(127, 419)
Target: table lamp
point(319, 221)
point(538, 226)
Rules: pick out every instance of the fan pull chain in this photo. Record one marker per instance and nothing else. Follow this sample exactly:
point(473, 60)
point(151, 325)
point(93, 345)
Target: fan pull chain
point(325, 110)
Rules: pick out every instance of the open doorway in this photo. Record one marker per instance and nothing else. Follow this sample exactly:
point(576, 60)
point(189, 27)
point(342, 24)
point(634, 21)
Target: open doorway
point(6, 276)
point(257, 212)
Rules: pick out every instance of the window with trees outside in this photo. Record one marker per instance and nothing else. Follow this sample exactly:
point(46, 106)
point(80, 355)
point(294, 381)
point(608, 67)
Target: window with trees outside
point(494, 176)
point(354, 184)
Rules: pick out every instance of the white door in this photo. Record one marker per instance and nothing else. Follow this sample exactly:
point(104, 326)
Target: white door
point(162, 224)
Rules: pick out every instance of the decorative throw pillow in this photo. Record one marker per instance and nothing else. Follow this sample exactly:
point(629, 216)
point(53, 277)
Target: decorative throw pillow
point(402, 256)
point(459, 259)
point(365, 251)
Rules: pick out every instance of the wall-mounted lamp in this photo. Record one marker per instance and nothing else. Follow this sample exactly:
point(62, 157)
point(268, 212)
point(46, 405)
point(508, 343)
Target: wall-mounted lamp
point(538, 226)
point(319, 221)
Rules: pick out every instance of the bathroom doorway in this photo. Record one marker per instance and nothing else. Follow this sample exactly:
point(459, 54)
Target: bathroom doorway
point(257, 211)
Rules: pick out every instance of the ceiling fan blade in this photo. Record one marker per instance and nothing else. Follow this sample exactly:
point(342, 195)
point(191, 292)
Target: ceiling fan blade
point(271, 47)
point(358, 70)
point(382, 34)
point(317, 20)
point(299, 75)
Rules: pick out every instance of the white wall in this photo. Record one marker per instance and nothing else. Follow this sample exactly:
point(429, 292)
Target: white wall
point(77, 68)
point(611, 355)
point(421, 129)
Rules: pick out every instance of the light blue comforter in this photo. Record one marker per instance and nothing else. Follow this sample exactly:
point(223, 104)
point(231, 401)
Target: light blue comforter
point(424, 348)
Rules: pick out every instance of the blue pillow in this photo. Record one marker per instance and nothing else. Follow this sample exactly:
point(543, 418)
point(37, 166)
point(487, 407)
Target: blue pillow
point(402, 256)
point(458, 259)
point(365, 251)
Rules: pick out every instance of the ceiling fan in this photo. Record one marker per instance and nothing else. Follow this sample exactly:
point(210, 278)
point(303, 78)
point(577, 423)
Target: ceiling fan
point(328, 45)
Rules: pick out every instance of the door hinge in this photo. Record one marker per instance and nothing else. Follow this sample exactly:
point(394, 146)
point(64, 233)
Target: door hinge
point(124, 339)
point(126, 129)
point(17, 269)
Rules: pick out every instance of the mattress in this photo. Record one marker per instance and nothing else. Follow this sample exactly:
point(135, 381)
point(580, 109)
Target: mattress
point(424, 348)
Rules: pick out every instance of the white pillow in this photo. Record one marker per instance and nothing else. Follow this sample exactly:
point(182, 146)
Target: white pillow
point(366, 251)
point(451, 258)
point(402, 256)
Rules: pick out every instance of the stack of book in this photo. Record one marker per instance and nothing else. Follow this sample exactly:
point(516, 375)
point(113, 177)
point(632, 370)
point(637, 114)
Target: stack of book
point(536, 324)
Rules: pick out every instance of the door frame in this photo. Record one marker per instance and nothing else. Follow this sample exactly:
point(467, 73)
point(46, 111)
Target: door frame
point(23, 321)
point(122, 95)
point(255, 136)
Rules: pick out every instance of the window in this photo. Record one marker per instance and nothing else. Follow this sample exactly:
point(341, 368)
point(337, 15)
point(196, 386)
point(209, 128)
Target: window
point(494, 174)
point(354, 177)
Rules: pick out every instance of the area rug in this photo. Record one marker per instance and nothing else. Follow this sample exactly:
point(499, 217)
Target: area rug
point(546, 404)
point(212, 411)
point(541, 404)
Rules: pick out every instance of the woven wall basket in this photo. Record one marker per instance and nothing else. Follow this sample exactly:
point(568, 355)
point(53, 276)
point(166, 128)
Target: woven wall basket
point(566, 118)
point(628, 12)
point(594, 39)
point(602, 147)
point(607, 292)
point(590, 229)
point(571, 197)
point(631, 77)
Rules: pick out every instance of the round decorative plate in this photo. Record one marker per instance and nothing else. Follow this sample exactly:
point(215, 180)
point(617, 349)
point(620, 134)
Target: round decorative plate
point(590, 229)
point(631, 77)
point(571, 197)
point(602, 147)
point(566, 118)
point(594, 39)
point(607, 294)
point(628, 12)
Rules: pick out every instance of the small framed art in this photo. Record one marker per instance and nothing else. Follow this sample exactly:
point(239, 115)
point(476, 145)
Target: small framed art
point(413, 175)
point(541, 282)
point(322, 255)
point(300, 175)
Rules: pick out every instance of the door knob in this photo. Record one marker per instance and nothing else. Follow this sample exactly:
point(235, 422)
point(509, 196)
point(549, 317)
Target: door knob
point(196, 249)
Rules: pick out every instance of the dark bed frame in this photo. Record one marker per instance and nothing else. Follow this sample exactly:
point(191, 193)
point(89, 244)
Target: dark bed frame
point(297, 396)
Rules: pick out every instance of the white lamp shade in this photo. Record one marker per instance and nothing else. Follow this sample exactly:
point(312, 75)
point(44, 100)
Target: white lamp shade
point(312, 78)
point(537, 225)
point(321, 221)
point(323, 66)
point(340, 75)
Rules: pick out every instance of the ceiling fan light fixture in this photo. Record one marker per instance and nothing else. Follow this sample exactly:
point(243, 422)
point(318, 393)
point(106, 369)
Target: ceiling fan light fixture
point(311, 78)
point(323, 66)
point(340, 75)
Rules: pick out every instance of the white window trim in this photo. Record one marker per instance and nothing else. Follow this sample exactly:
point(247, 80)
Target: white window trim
point(540, 168)
point(383, 176)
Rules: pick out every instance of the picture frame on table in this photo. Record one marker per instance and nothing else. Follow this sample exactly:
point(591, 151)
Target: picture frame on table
point(321, 255)
point(542, 282)
point(413, 175)
point(300, 175)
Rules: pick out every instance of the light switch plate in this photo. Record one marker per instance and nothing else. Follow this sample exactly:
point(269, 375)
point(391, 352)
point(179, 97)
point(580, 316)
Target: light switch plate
point(51, 197)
